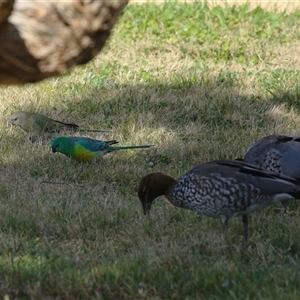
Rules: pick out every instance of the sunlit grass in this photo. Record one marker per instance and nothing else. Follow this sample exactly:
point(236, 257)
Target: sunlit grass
point(201, 84)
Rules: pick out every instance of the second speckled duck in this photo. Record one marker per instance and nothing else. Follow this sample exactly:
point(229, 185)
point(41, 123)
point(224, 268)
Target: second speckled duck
point(276, 153)
point(221, 189)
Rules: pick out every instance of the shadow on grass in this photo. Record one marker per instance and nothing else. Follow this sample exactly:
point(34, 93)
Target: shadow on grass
point(54, 207)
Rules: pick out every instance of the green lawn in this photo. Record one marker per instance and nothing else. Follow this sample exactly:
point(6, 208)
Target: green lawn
point(201, 84)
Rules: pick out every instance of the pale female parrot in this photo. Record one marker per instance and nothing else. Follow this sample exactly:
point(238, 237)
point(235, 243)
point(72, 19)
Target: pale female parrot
point(36, 124)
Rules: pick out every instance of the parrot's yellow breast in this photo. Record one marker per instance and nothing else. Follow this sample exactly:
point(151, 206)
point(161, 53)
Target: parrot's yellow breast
point(82, 154)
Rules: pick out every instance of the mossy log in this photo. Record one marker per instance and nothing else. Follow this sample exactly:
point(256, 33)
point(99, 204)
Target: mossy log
point(40, 39)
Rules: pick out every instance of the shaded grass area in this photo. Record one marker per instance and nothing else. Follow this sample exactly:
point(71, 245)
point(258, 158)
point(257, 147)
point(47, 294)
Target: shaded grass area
point(201, 84)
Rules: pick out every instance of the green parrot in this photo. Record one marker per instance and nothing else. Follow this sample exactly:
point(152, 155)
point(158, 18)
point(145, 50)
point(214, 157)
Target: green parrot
point(37, 124)
point(86, 149)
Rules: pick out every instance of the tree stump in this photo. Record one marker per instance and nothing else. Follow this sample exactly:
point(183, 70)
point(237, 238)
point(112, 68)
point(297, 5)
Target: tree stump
point(39, 39)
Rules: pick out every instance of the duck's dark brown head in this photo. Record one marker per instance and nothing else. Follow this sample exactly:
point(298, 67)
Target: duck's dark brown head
point(152, 186)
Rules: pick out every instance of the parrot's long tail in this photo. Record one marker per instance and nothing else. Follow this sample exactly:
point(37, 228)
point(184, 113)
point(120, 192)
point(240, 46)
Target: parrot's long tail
point(77, 127)
point(93, 130)
point(114, 148)
point(68, 125)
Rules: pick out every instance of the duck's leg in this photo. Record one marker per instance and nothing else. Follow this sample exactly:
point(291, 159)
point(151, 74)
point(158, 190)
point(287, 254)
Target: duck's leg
point(284, 205)
point(224, 224)
point(245, 222)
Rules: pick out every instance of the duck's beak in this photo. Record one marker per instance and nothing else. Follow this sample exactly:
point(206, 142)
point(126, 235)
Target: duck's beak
point(146, 207)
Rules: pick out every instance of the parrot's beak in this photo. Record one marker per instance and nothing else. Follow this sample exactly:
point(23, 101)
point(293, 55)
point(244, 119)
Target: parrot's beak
point(53, 150)
point(146, 207)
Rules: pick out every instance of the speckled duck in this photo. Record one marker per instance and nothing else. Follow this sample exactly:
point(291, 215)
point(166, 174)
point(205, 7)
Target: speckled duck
point(221, 189)
point(276, 153)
